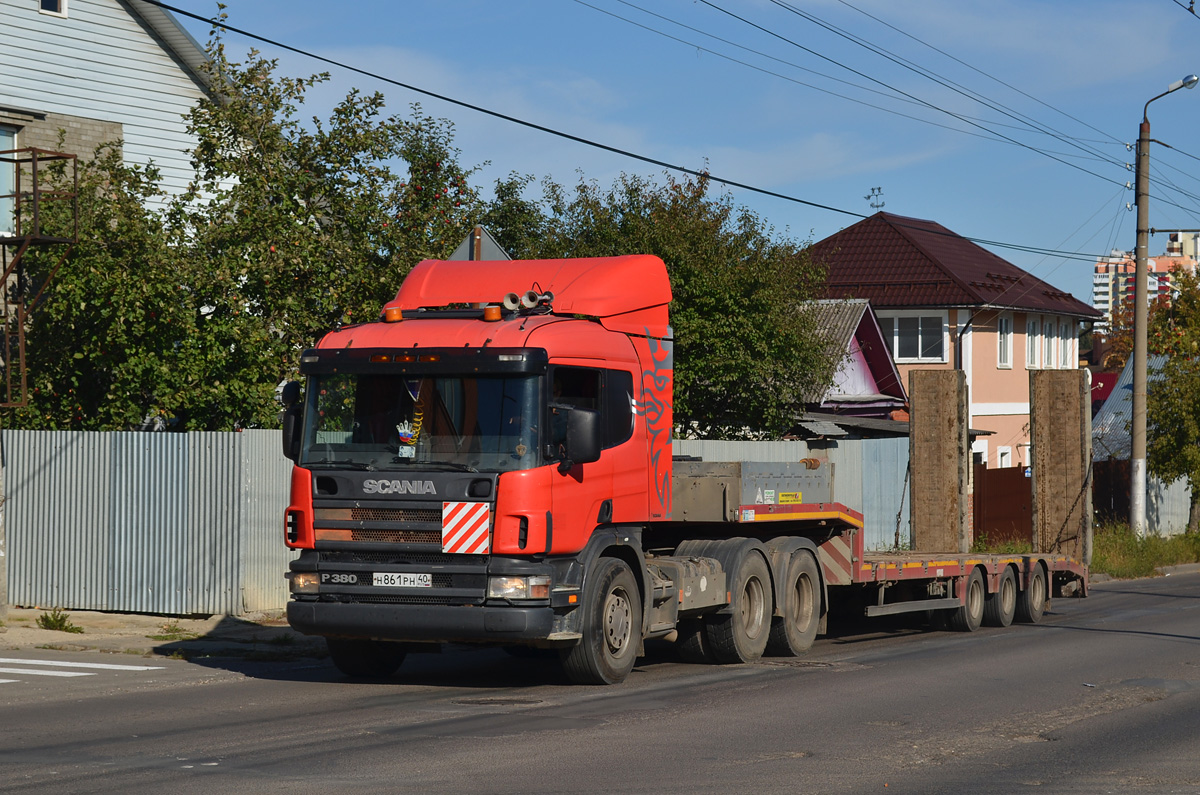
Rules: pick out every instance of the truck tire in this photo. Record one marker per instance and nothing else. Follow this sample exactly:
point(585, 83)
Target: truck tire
point(365, 659)
point(1031, 604)
point(969, 616)
point(1000, 606)
point(741, 635)
point(793, 633)
point(692, 644)
point(612, 627)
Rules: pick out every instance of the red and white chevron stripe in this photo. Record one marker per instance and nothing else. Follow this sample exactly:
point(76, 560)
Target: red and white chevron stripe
point(837, 559)
point(465, 528)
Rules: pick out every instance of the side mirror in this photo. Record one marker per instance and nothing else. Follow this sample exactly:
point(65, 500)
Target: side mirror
point(291, 394)
point(583, 438)
point(291, 431)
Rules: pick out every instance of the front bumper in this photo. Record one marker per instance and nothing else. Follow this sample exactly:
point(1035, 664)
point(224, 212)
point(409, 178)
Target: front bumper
point(423, 623)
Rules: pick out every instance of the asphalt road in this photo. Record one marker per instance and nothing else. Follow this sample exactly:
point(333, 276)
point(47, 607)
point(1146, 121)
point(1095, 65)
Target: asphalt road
point(1104, 696)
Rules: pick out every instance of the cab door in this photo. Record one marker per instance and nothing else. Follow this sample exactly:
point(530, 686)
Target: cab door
point(582, 496)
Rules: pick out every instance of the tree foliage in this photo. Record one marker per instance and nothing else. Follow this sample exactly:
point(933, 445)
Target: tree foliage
point(192, 312)
point(100, 339)
point(746, 347)
point(1173, 395)
point(189, 310)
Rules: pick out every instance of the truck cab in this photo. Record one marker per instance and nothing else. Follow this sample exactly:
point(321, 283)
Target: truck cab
point(464, 462)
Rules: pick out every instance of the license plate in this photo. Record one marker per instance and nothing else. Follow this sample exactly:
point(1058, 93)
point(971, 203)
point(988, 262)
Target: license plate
point(390, 579)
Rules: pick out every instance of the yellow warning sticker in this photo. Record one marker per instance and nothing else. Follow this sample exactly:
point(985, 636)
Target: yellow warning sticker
point(791, 497)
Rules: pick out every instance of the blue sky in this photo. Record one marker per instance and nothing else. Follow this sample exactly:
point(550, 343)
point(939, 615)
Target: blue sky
point(1080, 71)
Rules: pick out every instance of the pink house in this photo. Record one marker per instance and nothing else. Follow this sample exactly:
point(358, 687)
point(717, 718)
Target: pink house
point(944, 302)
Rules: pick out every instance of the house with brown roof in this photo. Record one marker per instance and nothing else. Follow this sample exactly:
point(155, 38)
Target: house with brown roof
point(944, 302)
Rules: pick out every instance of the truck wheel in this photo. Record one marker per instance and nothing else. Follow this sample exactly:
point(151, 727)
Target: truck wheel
point(692, 643)
point(741, 636)
point(1031, 604)
point(365, 659)
point(969, 616)
point(612, 627)
point(793, 633)
point(1000, 607)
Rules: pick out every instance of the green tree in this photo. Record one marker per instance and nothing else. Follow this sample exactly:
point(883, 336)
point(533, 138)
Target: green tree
point(1173, 395)
point(293, 229)
point(194, 314)
point(99, 340)
point(745, 345)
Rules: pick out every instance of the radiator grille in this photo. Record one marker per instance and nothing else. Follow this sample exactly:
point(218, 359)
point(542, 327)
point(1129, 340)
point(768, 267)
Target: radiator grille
point(360, 514)
point(397, 536)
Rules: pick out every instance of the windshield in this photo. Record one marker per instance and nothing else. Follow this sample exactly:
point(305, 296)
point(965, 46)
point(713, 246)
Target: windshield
point(358, 421)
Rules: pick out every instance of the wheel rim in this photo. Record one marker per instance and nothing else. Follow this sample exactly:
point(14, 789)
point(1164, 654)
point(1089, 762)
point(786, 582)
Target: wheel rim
point(1008, 595)
point(752, 607)
point(618, 621)
point(804, 602)
point(1038, 597)
point(975, 598)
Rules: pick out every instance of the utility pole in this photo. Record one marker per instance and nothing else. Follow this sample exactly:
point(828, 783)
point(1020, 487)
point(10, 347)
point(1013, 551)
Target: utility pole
point(1137, 485)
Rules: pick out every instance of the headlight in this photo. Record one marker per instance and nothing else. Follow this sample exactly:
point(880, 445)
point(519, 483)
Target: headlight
point(305, 581)
point(535, 587)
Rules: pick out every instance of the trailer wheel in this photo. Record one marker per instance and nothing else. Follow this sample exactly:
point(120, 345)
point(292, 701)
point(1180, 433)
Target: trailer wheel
point(793, 633)
point(365, 659)
point(741, 636)
point(1031, 604)
point(1000, 607)
point(612, 627)
point(969, 616)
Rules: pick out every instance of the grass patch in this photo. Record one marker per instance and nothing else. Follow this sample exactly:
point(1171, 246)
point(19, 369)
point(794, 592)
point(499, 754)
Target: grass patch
point(58, 621)
point(984, 546)
point(1117, 552)
point(172, 631)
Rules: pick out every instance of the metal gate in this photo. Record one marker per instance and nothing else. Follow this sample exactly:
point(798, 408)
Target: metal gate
point(1003, 506)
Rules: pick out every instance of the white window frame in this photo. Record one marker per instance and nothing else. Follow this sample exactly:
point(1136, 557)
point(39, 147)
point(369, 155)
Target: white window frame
point(8, 207)
point(894, 314)
point(1064, 346)
point(61, 12)
point(981, 446)
point(1033, 342)
point(1048, 346)
point(1004, 457)
point(1004, 341)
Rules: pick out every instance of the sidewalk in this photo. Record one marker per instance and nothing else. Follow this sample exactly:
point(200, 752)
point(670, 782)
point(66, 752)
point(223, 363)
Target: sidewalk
point(261, 636)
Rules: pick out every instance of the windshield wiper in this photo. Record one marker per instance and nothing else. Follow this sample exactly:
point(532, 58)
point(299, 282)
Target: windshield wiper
point(447, 464)
point(341, 463)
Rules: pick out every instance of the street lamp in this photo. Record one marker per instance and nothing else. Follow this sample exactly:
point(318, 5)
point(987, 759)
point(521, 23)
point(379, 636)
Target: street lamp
point(1137, 486)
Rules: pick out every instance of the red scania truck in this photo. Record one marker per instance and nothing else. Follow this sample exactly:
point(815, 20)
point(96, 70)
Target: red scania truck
point(490, 462)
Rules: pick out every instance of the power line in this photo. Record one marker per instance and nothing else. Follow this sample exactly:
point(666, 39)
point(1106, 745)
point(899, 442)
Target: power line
point(899, 91)
point(1077, 255)
point(747, 64)
point(984, 74)
point(692, 45)
point(942, 81)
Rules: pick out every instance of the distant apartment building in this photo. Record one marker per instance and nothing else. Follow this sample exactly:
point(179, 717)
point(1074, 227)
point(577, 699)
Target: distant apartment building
point(1113, 276)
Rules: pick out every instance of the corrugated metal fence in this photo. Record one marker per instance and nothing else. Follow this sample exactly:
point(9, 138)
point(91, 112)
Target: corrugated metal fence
point(869, 475)
point(166, 523)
